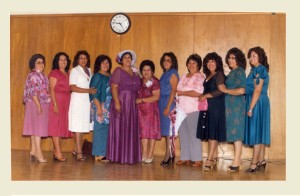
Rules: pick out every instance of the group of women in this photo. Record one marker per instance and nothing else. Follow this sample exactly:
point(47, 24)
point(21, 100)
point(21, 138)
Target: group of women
point(130, 109)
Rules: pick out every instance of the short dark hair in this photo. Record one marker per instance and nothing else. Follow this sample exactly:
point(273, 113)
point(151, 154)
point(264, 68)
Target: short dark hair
point(76, 57)
point(33, 60)
point(173, 59)
point(99, 60)
point(147, 63)
point(212, 56)
point(121, 59)
point(239, 57)
point(195, 57)
point(55, 64)
point(262, 57)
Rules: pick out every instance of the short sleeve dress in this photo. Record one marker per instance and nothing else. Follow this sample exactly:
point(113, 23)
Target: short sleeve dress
point(257, 130)
point(149, 122)
point(58, 122)
point(79, 110)
point(235, 106)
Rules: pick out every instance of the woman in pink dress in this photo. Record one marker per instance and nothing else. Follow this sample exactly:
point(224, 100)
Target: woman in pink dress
point(60, 93)
point(148, 112)
point(36, 100)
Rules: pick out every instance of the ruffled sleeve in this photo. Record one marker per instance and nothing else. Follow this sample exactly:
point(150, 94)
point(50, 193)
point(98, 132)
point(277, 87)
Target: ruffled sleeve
point(198, 83)
point(259, 72)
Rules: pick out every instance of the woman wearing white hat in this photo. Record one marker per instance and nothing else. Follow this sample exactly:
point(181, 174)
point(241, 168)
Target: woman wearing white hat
point(123, 136)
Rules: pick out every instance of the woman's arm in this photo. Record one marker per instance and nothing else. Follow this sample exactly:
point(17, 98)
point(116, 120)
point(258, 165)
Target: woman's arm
point(188, 93)
point(37, 102)
point(153, 98)
point(255, 95)
point(235, 91)
point(76, 89)
point(115, 95)
point(173, 82)
point(53, 82)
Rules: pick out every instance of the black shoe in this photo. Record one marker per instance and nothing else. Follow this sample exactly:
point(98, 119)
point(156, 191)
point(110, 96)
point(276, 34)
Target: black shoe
point(263, 165)
point(234, 168)
point(250, 170)
point(170, 160)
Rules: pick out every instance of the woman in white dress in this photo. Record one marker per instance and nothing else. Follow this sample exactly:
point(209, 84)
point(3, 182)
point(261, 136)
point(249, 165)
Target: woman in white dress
point(79, 111)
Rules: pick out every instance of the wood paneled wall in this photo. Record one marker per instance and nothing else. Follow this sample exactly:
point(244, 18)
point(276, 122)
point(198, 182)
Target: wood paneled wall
point(150, 36)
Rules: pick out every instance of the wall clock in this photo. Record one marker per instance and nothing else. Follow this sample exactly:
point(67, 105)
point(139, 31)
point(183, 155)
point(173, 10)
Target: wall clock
point(120, 23)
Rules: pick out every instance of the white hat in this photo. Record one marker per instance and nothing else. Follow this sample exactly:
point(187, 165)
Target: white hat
point(118, 59)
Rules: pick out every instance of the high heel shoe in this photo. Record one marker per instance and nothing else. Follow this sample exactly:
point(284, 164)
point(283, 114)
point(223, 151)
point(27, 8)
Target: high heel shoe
point(251, 170)
point(60, 159)
point(74, 153)
point(234, 168)
point(40, 159)
point(208, 168)
point(149, 160)
point(31, 157)
point(80, 157)
point(170, 160)
point(263, 165)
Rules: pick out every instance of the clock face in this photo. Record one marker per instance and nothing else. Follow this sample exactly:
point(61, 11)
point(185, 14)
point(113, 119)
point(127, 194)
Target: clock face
point(120, 23)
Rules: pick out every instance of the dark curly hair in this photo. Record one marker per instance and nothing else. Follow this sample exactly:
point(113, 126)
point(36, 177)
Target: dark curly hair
point(262, 57)
point(55, 64)
point(195, 57)
point(76, 58)
point(99, 60)
point(33, 60)
point(212, 56)
point(173, 59)
point(239, 57)
point(147, 63)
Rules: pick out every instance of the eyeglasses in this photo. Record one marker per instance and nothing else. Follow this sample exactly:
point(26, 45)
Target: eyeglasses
point(167, 60)
point(38, 63)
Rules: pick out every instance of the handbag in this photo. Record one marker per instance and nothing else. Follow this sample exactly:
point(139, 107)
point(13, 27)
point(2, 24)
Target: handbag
point(203, 105)
point(87, 147)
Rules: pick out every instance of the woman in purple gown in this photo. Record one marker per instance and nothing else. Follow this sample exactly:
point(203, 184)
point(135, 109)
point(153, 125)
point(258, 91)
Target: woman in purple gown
point(123, 136)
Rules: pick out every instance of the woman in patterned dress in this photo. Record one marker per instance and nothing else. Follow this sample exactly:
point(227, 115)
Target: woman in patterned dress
point(100, 103)
point(148, 112)
point(36, 99)
point(235, 103)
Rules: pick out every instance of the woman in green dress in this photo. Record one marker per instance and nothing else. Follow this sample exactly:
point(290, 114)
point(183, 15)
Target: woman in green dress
point(235, 103)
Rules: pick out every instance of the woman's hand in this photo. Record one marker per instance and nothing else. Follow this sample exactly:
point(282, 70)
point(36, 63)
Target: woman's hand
point(55, 109)
point(99, 111)
point(249, 113)
point(139, 100)
point(202, 97)
point(167, 111)
point(179, 93)
point(222, 88)
point(39, 108)
point(118, 107)
point(92, 91)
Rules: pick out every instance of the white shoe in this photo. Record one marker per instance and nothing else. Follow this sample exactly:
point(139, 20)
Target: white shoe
point(149, 160)
point(144, 159)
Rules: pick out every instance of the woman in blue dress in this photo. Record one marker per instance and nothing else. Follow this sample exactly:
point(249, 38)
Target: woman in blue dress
point(168, 88)
point(235, 103)
point(257, 130)
point(100, 103)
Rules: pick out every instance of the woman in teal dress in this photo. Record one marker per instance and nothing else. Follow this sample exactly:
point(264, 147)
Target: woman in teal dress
point(100, 103)
point(257, 130)
point(235, 103)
